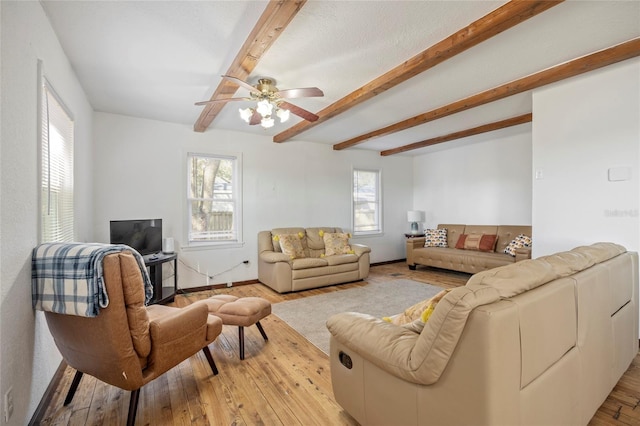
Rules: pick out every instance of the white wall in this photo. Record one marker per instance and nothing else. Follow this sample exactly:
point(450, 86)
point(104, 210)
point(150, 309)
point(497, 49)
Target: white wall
point(484, 180)
point(140, 172)
point(29, 357)
point(583, 127)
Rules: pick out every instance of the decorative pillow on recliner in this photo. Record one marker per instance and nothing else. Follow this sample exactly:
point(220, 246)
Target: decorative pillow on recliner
point(291, 245)
point(435, 238)
point(415, 317)
point(336, 243)
point(478, 242)
point(518, 242)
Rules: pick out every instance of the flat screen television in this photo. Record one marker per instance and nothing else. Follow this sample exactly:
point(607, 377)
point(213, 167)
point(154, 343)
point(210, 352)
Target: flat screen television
point(144, 235)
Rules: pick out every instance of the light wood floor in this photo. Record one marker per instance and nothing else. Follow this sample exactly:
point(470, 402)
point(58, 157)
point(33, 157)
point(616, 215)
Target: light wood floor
point(285, 381)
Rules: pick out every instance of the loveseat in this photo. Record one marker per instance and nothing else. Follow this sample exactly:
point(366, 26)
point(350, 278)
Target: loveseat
point(448, 251)
point(313, 266)
point(538, 342)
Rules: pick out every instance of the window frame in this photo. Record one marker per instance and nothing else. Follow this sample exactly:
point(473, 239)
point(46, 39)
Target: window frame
point(378, 200)
point(237, 202)
point(67, 230)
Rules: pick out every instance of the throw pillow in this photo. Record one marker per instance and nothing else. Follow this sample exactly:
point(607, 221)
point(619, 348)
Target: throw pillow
point(518, 242)
point(291, 245)
point(435, 238)
point(478, 242)
point(336, 243)
point(415, 317)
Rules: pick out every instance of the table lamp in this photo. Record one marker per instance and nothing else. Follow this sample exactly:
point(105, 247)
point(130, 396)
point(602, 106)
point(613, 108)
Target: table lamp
point(415, 217)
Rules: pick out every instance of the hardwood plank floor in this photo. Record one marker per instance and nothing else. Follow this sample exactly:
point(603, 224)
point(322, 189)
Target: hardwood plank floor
point(285, 381)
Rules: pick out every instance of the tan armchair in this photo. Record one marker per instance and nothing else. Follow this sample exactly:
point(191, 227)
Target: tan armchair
point(127, 344)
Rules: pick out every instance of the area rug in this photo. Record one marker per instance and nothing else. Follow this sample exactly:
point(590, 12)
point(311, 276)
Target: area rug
point(309, 315)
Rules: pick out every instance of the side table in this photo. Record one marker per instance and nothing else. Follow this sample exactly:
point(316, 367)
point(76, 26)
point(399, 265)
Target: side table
point(154, 263)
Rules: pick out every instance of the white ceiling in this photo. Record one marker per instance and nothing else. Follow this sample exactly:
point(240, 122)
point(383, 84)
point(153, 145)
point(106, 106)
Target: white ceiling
point(153, 59)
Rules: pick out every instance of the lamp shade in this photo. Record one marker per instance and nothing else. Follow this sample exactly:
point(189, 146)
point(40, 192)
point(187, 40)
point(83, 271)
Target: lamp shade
point(415, 216)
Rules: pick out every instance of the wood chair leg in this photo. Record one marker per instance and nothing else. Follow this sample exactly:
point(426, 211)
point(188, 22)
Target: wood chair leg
point(241, 340)
point(264, 335)
point(133, 407)
point(74, 385)
point(212, 363)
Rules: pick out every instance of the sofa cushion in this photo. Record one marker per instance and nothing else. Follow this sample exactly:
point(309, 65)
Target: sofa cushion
point(435, 237)
point(453, 233)
point(477, 242)
point(291, 245)
point(518, 242)
point(314, 237)
point(336, 243)
point(309, 262)
point(341, 259)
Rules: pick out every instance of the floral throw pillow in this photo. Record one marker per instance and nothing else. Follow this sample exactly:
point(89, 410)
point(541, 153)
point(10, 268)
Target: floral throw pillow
point(291, 245)
point(336, 243)
point(415, 317)
point(435, 238)
point(518, 242)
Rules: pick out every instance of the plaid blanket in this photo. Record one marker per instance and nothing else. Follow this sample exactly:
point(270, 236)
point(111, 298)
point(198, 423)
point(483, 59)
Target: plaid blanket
point(67, 278)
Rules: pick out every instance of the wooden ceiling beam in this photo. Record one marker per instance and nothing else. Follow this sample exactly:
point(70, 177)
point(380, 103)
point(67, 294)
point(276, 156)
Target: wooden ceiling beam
point(513, 121)
point(593, 61)
point(272, 22)
point(501, 19)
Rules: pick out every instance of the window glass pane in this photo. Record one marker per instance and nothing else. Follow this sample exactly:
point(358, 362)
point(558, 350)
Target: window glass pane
point(212, 198)
point(57, 220)
point(366, 201)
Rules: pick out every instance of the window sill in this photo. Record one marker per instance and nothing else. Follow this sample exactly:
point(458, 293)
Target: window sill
point(368, 235)
point(212, 246)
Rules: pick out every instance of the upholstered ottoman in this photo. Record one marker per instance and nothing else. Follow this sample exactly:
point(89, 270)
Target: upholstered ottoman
point(240, 311)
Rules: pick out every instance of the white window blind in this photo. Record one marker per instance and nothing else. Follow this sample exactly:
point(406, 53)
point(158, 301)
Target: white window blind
point(57, 222)
point(213, 198)
point(366, 202)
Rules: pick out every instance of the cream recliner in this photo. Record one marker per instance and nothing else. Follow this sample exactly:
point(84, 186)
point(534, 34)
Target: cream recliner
point(538, 342)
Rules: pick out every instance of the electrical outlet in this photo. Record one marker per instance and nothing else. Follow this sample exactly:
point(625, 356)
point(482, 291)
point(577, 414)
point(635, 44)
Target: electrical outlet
point(8, 405)
point(229, 284)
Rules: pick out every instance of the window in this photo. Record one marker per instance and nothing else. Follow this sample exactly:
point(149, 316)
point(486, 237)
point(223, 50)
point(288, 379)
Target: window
point(366, 202)
point(213, 198)
point(56, 177)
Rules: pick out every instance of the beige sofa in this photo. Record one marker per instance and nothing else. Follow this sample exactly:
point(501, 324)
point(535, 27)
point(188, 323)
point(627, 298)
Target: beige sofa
point(539, 342)
point(469, 261)
point(283, 274)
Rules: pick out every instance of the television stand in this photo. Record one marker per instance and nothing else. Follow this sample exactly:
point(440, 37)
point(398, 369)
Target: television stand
point(161, 294)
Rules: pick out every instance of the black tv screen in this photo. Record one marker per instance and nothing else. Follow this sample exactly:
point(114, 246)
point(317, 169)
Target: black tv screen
point(144, 235)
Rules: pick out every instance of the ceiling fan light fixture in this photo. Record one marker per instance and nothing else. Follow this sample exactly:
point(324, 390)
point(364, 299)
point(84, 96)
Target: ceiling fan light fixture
point(246, 114)
point(267, 122)
point(283, 114)
point(264, 108)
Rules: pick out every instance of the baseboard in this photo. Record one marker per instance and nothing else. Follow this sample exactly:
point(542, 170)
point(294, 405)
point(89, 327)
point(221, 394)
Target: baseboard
point(38, 415)
point(214, 286)
point(388, 262)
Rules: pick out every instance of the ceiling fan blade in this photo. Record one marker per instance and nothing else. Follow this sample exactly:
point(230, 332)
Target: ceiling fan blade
point(256, 118)
point(241, 83)
point(221, 100)
point(300, 112)
point(306, 92)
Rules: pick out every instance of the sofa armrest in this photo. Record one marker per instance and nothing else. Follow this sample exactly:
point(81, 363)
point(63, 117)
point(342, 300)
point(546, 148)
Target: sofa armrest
point(413, 243)
point(384, 344)
point(360, 249)
point(523, 253)
point(274, 257)
point(170, 324)
point(176, 334)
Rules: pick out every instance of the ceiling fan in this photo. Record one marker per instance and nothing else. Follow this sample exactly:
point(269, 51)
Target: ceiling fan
point(270, 100)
